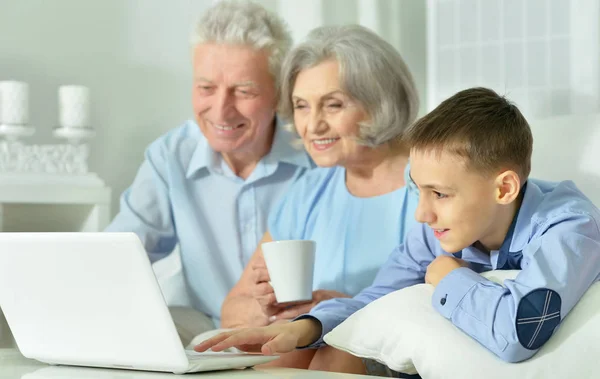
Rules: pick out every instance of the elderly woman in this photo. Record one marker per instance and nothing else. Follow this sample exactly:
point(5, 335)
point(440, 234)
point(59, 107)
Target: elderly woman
point(351, 96)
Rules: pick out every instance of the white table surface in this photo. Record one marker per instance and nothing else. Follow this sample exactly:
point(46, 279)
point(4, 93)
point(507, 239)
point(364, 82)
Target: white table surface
point(14, 366)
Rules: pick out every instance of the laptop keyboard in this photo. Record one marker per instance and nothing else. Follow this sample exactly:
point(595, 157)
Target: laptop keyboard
point(210, 360)
point(196, 356)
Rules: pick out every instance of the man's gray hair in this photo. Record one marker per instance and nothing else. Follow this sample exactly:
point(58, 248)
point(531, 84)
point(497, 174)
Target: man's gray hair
point(372, 72)
point(249, 24)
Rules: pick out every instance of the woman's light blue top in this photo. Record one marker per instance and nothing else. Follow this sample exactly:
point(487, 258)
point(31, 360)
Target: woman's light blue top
point(354, 235)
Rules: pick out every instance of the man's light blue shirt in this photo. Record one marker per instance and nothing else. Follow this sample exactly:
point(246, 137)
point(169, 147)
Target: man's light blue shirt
point(554, 240)
point(353, 235)
point(184, 193)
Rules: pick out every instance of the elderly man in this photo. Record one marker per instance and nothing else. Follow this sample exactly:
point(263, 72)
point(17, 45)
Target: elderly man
point(209, 184)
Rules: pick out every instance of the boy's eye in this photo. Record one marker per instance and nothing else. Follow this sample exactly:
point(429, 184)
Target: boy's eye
point(439, 195)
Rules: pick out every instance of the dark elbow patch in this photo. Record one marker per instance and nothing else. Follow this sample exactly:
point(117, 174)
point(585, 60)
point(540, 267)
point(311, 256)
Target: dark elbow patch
point(538, 315)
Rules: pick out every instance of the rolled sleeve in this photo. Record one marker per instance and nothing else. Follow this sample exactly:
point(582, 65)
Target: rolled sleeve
point(318, 343)
point(146, 207)
point(330, 314)
point(453, 288)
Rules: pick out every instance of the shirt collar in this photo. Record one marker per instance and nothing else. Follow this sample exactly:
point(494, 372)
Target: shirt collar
point(520, 229)
point(282, 150)
point(519, 232)
point(203, 156)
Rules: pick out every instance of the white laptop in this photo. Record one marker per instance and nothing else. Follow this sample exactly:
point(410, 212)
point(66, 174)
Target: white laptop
point(91, 299)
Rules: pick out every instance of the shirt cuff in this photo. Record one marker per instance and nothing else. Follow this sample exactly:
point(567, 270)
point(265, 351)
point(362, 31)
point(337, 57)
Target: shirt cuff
point(452, 289)
point(327, 325)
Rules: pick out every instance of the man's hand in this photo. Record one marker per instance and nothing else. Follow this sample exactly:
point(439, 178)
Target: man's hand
point(294, 311)
point(263, 292)
point(269, 340)
point(440, 267)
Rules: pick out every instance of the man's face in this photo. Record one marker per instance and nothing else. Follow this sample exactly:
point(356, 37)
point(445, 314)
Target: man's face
point(233, 96)
point(458, 203)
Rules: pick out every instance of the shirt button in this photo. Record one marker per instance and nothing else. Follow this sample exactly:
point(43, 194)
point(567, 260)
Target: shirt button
point(443, 300)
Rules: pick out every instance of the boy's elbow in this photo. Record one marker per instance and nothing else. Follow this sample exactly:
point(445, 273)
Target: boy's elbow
point(515, 352)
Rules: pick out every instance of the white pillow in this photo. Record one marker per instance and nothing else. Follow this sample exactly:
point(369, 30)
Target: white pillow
point(405, 332)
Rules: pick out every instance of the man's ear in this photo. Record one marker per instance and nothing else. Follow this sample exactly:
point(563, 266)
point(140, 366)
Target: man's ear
point(508, 186)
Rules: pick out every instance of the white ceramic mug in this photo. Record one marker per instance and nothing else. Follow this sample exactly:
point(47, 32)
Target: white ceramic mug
point(291, 265)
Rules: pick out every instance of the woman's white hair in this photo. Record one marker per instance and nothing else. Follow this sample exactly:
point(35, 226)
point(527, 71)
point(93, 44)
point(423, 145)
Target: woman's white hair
point(372, 72)
point(249, 24)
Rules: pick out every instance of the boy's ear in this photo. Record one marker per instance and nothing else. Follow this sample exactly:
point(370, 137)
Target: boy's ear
point(508, 186)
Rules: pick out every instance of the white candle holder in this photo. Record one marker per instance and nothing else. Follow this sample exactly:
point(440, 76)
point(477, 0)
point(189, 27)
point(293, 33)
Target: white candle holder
point(74, 106)
point(69, 158)
point(14, 103)
point(16, 157)
point(74, 136)
point(14, 110)
point(14, 132)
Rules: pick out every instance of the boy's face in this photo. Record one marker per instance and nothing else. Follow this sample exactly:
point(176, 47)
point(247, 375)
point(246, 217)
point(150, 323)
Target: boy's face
point(458, 203)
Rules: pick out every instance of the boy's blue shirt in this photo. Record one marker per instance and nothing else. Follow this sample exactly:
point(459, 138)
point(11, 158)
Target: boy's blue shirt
point(554, 240)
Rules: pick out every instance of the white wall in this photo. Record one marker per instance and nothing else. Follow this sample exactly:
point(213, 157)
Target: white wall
point(568, 148)
point(134, 56)
point(544, 54)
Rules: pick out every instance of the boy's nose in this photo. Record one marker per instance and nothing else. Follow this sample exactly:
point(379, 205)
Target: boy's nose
point(423, 214)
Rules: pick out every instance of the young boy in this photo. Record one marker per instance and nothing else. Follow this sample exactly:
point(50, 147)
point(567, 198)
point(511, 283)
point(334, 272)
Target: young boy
point(470, 159)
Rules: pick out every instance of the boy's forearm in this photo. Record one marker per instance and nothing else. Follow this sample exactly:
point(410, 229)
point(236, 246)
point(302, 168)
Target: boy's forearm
point(395, 274)
point(309, 331)
point(242, 311)
point(464, 296)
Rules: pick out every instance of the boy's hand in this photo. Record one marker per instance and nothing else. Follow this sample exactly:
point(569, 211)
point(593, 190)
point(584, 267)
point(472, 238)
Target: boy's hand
point(269, 340)
point(440, 267)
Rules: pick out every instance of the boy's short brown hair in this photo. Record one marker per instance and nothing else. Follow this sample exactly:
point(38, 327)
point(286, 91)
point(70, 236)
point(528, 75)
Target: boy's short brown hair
point(479, 125)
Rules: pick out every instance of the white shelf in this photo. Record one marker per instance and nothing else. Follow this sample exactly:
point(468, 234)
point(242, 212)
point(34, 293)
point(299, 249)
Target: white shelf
point(53, 202)
point(53, 189)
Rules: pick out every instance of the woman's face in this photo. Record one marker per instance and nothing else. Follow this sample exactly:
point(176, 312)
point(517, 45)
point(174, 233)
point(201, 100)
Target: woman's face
point(325, 117)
